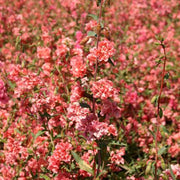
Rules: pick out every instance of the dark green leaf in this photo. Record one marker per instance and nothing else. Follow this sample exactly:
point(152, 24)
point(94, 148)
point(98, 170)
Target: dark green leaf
point(158, 61)
point(160, 112)
point(98, 2)
point(166, 76)
point(114, 144)
point(111, 61)
point(84, 105)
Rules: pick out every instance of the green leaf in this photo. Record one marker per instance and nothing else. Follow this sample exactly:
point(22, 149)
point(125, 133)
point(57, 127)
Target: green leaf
point(44, 177)
point(166, 76)
point(125, 167)
point(11, 84)
point(102, 24)
point(39, 133)
point(164, 129)
point(148, 168)
point(162, 150)
point(168, 84)
point(172, 174)
point(2, 140)
point(160, 38)
point(93, 16)
point(114, 144)
point(160, 112)
point(82, 164)
point(103, 172)
point(30, 151)
point(98, 2)
point(154, 100)
point(18, 131)
point(152, 133)
point(91, 33)
point(156, 43)
point(18, 40)
point(158, 61)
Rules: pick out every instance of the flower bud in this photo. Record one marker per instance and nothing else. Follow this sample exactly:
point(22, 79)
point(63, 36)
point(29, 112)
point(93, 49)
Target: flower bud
point(98, 29)
point(106, 33)
point(84, 40)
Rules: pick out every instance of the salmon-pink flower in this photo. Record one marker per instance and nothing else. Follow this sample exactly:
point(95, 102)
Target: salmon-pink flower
point(78, 66)
point(104, 51)
point(43, 52)
point(61, 154)
point(3, 93)
point(116, 156)
point(103, 89)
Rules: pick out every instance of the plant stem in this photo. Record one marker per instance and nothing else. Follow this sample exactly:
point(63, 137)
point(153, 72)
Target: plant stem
point(97, 44)
point(158, 109)
point(95, 75)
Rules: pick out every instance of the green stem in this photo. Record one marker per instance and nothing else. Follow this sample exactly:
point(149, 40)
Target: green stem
point(158, 109)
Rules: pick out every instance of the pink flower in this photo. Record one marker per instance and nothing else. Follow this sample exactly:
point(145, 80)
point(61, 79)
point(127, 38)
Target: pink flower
point(78, 66)
point(112, 130)
point(105, 51)
point(97, 129)
point(116, 157)
point(61, 154)
point(103, 89)
point(176, 171)
point(77, 52)
point(63, 175)
point(110, 109)
point(79, 35)
point(131, 97)
point(90, 25)
point(174, 150)
point(3, 94)
point(87, 157)
point(46, 38)
point(7, 172)
point(43, 52)
point(61, 50)
point(76, 92)
point(46, 69)
point(76, 114)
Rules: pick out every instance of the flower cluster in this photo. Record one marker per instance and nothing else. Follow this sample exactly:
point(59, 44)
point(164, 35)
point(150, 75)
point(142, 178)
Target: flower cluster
point(79, 86)
point(104, 89)
point(61, 154)
point(116, 157)
point(3, 93)
point(104, 51)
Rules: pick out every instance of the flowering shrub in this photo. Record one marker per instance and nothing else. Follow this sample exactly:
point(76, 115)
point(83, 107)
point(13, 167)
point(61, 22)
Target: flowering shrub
point(89, 89)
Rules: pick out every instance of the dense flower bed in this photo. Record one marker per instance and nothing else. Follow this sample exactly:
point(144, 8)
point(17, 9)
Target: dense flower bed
point(80, 87)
